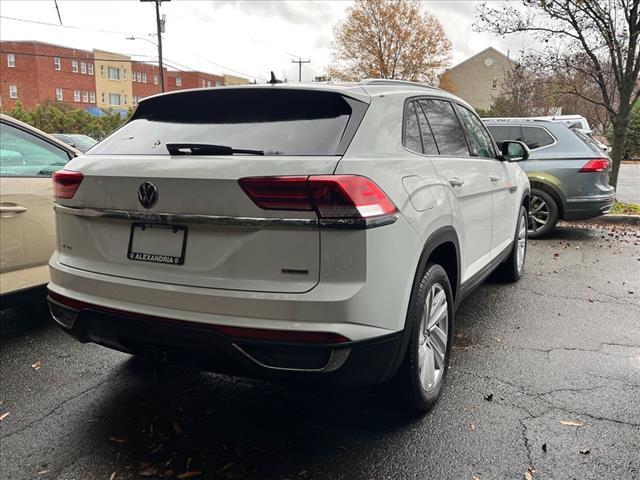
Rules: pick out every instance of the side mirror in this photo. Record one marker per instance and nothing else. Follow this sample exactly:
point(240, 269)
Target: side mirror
point(514, 151)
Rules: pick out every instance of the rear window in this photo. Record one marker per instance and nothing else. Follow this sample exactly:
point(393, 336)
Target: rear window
point(272, 121)
point(536, 137)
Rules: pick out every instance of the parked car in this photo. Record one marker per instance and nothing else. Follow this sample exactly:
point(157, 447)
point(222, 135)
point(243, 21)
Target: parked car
point(76, 140)
point(569, 173)
point(323, 232)
point(28, 157)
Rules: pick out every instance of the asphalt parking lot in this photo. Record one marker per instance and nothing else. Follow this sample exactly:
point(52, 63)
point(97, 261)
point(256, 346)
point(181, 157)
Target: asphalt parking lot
point(544, 383)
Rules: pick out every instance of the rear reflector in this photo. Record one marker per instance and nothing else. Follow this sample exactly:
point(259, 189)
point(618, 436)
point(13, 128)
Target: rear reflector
point(289, 336)
point(596, 165)
point(65, 183)
point(330, 196)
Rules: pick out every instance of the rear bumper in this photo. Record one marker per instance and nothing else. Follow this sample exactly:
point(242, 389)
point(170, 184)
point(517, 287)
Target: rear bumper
point(344, 363)
point(580, 208)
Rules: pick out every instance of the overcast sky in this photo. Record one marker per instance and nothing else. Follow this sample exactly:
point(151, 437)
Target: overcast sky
point(235, 37)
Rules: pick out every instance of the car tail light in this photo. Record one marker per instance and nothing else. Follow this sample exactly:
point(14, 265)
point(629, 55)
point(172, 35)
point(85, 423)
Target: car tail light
point(65, 183)
point(330, 196)
point(596, 165)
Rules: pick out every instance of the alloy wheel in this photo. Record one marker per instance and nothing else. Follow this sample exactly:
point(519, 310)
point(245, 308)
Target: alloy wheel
point(522, 242)
point(432, 341)
point(538, 214)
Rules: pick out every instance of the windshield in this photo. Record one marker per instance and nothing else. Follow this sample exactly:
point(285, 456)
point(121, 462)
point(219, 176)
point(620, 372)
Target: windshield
point(273, 121)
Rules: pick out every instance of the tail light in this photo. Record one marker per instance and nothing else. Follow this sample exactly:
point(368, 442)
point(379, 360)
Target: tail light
point(330, 196)
point(596, 165)
point(65, 183)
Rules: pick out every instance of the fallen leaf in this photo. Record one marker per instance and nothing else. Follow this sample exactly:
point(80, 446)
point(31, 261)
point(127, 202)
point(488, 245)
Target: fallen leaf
point(149, 472)
point(585, 451)
point(227, 466)
point(4, 415)
point(37, 365)
point(117, 439)
point(189, 474)
point(475, 477)
point(42, 472)
point(472, 426)
point(188, 464)
point(113, 476)
point(489, 397)
point(573, 423)
point(528, 475)
point(176, 428)
point(544, 447)
point(168, 473)
point(158, 448)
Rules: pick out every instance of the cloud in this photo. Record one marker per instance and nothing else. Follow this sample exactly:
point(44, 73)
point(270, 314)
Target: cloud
point(296, 12)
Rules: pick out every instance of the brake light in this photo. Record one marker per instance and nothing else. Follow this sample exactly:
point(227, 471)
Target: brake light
point(330, 196)
point(596, 165)
point(65, 183)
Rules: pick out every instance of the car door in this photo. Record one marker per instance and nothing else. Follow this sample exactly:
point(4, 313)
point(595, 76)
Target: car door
point(503, 180)
point(466, 180)
point(27, 229)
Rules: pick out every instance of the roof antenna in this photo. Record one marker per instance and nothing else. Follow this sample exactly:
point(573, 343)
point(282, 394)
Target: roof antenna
point(274, 80)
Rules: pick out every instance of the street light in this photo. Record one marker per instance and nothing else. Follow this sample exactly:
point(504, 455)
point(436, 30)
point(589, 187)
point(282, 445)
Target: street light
point(159, 58)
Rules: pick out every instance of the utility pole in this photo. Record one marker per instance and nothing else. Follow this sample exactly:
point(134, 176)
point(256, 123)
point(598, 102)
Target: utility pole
point(160, 28)
point(300, 62)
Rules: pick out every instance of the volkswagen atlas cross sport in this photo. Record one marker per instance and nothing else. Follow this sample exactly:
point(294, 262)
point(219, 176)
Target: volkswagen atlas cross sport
point(568, 171)
point(323, 232)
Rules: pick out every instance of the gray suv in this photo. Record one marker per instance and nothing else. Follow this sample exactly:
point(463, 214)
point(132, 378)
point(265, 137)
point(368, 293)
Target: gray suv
point(569, 173)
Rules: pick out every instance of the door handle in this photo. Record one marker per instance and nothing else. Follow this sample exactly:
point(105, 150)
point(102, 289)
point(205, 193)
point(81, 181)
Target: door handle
point(11, 209)
point(494, 178)
point(456, 182)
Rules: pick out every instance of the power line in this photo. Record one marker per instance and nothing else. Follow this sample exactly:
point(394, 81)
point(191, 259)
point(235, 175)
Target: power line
point(69, 57)
point(68, 26)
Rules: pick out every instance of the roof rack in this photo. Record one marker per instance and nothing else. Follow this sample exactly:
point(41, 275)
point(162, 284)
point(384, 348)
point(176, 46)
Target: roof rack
point(391, 81)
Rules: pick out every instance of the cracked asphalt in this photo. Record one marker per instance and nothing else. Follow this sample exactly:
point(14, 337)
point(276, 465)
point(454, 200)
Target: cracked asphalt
point(544, 383)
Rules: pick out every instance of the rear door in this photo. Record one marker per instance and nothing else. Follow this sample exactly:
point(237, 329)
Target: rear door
point(467, 182)
point(27, 230)
point(200, 228)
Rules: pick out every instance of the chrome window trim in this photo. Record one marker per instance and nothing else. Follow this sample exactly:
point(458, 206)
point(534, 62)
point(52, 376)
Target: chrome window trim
point(228, 221)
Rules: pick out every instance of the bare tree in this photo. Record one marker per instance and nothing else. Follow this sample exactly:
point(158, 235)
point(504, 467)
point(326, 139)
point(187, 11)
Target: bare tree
point(389, 39)
point(604, 32)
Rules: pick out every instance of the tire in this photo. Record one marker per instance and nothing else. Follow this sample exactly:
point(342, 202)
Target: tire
point(513, 267)
point(420, 392)
point(543, 214)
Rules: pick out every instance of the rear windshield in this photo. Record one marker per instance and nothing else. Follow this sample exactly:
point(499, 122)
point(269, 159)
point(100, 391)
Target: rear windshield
point(272, 121)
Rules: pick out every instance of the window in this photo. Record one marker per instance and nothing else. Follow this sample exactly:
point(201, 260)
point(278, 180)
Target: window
point(202, 83)
point(76, 95)
point(114, 99)
point(494, 84)
point(13, 91)
point(56, 63)
point(536, 137)
point(90, 68)
point(59, 94)
point(178, 81)
point(85, 96)
point(102, 70)
point(218, 84)
point(125, 99)
point(114, 73)
point(144, 78)
point(92, 97)
point(11, 60)
point(25, 155)
point(412, 130)
point(480, 141)
point(429, 146)
point(208, 83)
point(155, 79)
point(74, 66)
point(446, 128)
point(276, 122)
point(83, 68)
point(500, 133)
point(138, 77)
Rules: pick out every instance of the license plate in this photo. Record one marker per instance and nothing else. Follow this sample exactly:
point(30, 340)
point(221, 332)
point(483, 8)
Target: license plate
point(155, 243)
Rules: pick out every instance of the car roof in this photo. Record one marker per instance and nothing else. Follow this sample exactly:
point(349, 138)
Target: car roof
point(362, 90)
point(39, 133)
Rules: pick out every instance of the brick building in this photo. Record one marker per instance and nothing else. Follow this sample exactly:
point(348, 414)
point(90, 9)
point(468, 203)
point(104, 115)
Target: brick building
point(145, 79)
point(178, 80)
point(36, 72)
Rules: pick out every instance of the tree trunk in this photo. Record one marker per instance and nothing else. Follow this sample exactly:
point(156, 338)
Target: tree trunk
point(619, 123)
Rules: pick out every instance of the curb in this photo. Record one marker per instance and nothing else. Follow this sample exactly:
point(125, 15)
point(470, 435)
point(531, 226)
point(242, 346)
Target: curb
point(617, 219)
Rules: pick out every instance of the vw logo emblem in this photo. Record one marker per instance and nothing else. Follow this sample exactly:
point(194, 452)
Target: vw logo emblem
point(147, 194)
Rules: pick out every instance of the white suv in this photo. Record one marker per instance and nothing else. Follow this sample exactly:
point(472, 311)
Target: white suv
point(313, 231)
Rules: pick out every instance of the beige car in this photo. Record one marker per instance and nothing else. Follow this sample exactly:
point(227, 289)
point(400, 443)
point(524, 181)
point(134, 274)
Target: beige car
point(28, 158)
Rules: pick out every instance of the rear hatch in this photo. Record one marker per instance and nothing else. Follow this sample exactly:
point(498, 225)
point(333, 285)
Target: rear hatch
point(160, 200)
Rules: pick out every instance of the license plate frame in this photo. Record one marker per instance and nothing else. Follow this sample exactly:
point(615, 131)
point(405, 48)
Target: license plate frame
point(161, 258)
